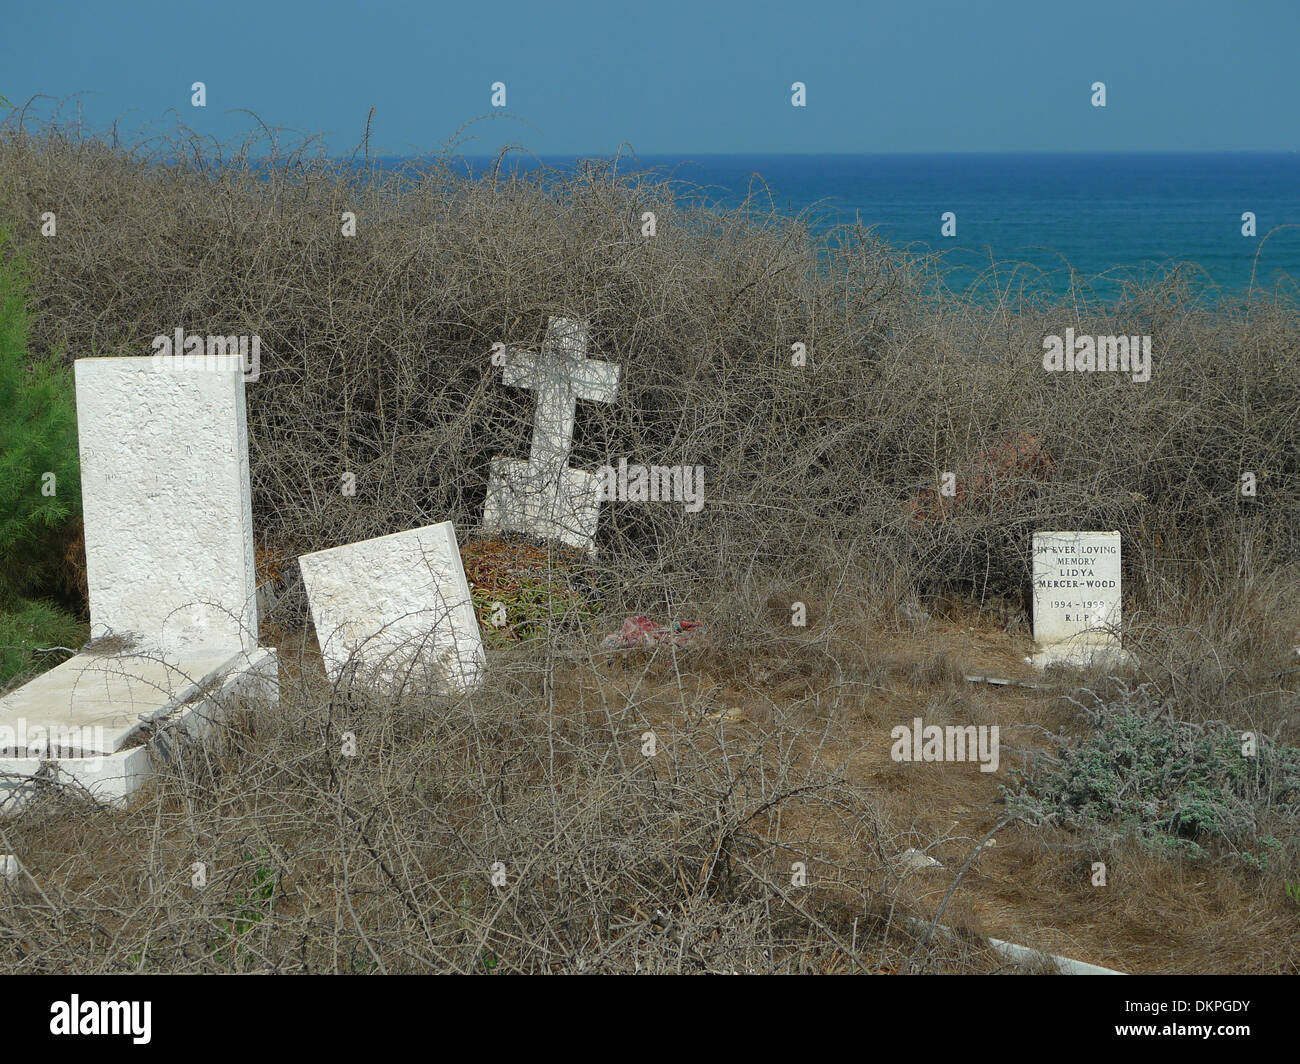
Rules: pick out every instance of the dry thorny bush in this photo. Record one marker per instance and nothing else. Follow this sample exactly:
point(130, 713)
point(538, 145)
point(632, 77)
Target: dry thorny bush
point(375, 361)
point(607, 859)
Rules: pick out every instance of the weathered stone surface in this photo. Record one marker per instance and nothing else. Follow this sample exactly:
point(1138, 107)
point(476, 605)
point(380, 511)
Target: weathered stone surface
point(136, 712)
point(94, 704)
point(170, 572)
point(1077, 593)
point(547, 502)
point(543, 497)
point(165, 500)
point(396, 610)
point(913, 860)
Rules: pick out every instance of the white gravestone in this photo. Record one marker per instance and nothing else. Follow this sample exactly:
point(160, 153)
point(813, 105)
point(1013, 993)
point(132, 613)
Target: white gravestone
point(396, 610)
point(543, 497)
point(169, 558)
point(1076, 584)
point(165, 501)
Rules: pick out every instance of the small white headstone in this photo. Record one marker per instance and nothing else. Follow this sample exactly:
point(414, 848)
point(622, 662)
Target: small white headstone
point(396, 609)
point(543, 497)
point(1076, 581)
point(165, 500)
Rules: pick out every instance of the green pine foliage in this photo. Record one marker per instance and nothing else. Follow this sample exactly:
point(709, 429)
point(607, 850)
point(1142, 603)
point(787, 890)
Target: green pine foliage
point(34, 637)
point(38, 437)
point(40, 481)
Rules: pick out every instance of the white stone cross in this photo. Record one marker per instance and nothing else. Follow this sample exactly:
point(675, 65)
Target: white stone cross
point(543, 496)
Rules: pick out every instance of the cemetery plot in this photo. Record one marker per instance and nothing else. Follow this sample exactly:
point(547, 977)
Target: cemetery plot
point(169, 561)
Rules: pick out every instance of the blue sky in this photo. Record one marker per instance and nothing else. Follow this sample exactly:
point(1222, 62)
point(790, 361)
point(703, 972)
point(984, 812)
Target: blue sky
point(682, 77)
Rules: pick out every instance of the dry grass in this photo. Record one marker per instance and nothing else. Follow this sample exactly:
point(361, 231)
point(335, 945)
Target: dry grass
point(612, 860)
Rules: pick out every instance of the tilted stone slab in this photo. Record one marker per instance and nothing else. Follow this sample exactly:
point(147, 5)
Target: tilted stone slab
point(101, 723)
point(98, 702)
point(396, 611)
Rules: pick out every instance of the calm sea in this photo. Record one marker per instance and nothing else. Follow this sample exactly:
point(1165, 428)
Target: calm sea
point(1107, 217)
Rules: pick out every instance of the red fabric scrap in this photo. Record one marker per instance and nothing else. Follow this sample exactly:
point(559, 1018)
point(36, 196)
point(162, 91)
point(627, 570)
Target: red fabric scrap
point(643, 632)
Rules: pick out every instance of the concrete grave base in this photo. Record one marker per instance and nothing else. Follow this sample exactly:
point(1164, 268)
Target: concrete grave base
point(542, 496)
point(100, 722)
point(1081, 654)
point(561, 504)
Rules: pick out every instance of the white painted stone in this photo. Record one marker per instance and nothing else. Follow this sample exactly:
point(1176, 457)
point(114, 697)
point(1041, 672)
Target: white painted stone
point(106, 768)
point(9, 866)
point(543, 497)
point(913, 860)
point(1064, 965)
point(1077, 594)
point(1076, 584)
point(165, 500)
point(169, 557)
point(1022, 954)
point(94, 704)
point(396, 610)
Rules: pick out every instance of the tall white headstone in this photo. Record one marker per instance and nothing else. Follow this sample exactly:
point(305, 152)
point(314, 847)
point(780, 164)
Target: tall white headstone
point(165, 502)
point(396, 610)
point(169, 558)
point(543, 497)
point(1076, 584)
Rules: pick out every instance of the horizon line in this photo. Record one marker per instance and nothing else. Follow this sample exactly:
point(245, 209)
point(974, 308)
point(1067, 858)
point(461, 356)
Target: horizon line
point(847, 154)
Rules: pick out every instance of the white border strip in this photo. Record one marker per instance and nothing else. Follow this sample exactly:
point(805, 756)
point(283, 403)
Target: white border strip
point(1065, 965)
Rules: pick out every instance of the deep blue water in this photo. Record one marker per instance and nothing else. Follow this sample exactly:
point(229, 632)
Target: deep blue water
point(1106, 216)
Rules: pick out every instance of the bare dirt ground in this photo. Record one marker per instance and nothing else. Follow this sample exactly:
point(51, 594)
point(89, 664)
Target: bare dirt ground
point(1033, 885)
